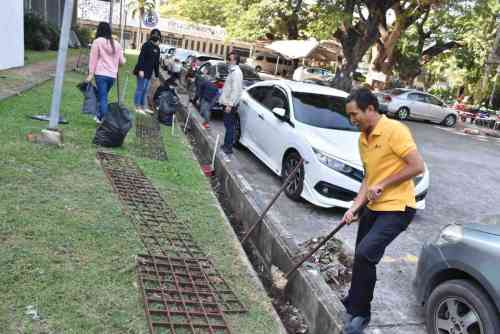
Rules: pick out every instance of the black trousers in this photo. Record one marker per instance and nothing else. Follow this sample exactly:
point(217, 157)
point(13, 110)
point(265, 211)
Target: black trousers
point(377, 229)
point(229, 124)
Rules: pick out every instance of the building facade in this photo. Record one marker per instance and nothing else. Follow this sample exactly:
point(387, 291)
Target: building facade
point(201, 38)
point(12, 34)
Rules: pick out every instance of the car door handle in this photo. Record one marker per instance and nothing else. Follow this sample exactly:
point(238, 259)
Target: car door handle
point(244, 103)
point(260, 116)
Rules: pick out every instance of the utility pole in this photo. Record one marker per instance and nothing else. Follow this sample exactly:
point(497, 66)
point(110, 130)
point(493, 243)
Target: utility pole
point(122, 24)
point(61, 64)
point(111, 2)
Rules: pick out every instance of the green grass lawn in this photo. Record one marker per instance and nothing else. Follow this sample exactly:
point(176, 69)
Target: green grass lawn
point(33, 57)
point(67, 248)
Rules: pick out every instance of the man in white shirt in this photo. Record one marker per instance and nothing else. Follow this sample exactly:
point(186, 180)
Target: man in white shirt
point(230, 97)
point(298, 74)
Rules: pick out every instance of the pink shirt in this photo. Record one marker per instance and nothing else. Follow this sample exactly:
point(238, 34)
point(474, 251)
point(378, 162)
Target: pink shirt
point(102, 59)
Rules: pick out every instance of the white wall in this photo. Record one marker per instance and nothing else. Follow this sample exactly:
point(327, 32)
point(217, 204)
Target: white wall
point(11, 34)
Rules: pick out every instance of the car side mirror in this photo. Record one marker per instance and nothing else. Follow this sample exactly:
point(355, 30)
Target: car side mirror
point(280, 112)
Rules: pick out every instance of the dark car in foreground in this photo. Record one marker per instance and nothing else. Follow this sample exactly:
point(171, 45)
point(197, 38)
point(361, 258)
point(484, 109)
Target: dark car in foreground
point(458, 280)
point(218, 72)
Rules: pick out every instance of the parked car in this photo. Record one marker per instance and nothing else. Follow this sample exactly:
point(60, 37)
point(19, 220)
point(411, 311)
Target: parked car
point(267, 62)
point(312, 74)
point(458, 280)
point(166, 51)
point(202, 57)
point(280, 121)
point(183, 54)
point(413, 104)
point(218, 71)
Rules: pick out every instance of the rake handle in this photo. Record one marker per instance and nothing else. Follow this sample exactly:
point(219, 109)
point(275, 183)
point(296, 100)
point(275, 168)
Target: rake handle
point(305, 258)
point(283, 186)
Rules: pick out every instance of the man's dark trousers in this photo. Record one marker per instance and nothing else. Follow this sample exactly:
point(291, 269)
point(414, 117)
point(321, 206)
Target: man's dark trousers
point(229, 124)
point(377, 229)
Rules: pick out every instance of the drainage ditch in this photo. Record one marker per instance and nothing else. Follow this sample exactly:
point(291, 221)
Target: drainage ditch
point(292, 318)
point(331, 261)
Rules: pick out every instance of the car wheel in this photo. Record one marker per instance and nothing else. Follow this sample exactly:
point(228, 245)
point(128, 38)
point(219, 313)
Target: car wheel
point(237, 132)
point(403, 113)
point(296, 185)
point(450, 121)
point(258, 69)
point(460, 307)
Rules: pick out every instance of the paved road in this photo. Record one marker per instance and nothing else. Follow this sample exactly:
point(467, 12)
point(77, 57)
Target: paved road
point(464, 181)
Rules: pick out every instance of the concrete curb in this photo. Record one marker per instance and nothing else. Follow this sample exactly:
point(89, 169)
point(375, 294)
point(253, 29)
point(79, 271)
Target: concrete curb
point(275, 246)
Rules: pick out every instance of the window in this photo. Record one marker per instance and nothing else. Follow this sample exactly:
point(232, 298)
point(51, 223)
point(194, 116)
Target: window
point(197, 45)
point(260, 58)
point(210, 47)
point(271, 60)
point(417, 97)
point(204, 46)
point(216, 48)
point(192, 45)
point(259, 93)
point(276, 99)
point(322, 111)
point(432, 100)
point(186, 42)
point(249, 73)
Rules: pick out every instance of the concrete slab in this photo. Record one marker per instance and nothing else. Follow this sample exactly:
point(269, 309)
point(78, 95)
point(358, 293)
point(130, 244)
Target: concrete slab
point(457, 165)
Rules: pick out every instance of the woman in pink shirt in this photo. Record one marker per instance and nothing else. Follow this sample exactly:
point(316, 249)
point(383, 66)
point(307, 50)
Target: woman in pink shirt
point(105, 57)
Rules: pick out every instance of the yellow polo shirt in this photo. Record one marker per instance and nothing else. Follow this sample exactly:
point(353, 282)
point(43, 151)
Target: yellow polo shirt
point(382, 155)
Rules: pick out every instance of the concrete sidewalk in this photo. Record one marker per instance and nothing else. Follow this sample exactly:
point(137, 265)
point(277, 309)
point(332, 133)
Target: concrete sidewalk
point(17, 80)
point(395, 309)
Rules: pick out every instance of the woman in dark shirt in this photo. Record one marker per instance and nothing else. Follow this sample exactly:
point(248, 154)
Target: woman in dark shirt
point(148, 62)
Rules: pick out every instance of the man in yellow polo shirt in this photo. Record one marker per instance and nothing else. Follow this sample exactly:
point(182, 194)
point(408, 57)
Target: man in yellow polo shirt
point(386, 199)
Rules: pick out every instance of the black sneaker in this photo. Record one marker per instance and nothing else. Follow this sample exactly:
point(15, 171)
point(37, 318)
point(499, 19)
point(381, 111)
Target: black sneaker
point(357, 325)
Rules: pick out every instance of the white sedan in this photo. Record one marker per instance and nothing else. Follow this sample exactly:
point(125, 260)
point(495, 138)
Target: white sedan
point(282, 121)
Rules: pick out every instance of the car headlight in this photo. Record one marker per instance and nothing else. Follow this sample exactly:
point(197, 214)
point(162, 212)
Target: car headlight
point(333, 163)
point(452, 233)
point(418, 178)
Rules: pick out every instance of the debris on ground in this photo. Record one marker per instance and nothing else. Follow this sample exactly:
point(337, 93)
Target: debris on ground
point(331, 261)
point(32, 312)
point(292, 318)
point(471, 131)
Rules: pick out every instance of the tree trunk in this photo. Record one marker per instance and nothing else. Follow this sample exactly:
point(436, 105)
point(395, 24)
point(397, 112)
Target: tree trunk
point(354, 46)
point(292, 29)
point(139, 31)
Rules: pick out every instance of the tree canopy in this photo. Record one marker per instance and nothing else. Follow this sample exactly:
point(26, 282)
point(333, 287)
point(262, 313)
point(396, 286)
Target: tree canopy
point(403, 37)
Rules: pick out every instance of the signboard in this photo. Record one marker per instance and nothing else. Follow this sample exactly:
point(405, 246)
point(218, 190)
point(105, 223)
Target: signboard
point(97, 11)
point(150, 19)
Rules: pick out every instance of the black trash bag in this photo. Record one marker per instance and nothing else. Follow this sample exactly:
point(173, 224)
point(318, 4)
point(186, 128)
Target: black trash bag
point(166, 101)
point(89, 92)
point(115, 126)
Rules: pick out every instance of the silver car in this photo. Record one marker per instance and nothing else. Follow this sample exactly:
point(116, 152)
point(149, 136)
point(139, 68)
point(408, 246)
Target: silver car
point(413, 104)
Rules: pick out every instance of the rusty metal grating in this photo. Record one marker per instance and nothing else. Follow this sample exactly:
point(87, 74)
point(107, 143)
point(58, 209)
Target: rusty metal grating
point(148, 138)
point(177, 297)
point(170, 246)
point(211, 281)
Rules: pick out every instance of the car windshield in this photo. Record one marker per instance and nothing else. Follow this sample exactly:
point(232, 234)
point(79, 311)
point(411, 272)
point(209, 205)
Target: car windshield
point(182, 54)
point(247, 71)
point(322, 111)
